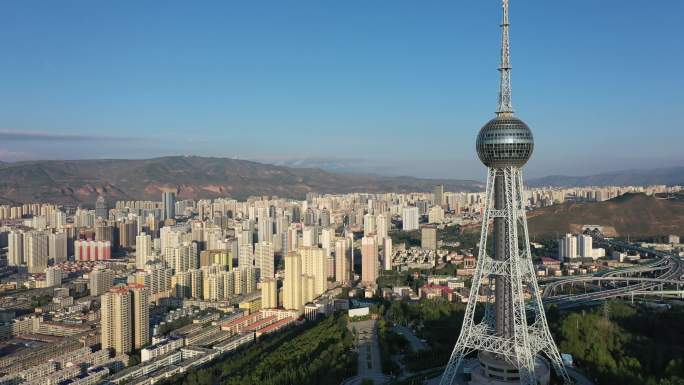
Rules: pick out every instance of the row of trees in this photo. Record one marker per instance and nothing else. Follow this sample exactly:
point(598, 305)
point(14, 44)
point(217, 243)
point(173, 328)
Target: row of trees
point(392, 345)
point(318, 355)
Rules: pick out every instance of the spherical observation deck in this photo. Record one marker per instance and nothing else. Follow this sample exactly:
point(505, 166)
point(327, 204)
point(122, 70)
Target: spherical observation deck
point(505, 141)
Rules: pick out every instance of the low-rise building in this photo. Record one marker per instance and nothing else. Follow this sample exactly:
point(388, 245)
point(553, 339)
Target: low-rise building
point(166, 346)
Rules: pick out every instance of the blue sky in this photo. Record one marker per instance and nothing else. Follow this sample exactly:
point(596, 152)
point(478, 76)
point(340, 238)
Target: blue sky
point(398, 87)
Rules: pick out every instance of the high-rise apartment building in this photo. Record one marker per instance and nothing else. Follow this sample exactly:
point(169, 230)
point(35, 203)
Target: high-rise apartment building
point(125, 318)
point(157, 279)
point(409, 218)
point(269, 293)
point(213, 287)
point(101, 280)
point(326, 239)
point(104, 232)
point(169, 204)
point(92, 250)
point(439, 195)
point(428, 237)
point(369, 260)
point(84, 218)
point(140, 315)
point(436, 214)
point(292, 240)
point(308, 288)
point(310, 236)
point(293, 298)
point(128, 231)
point(314, 264)
point(325, 218)
point(116, 320)
point(101, 210)
point(180, 283)
point(57, 247)
point(15, 249)
point(36, 251)
point(53, 277)
point(387, 254)
point(382, 226)
point(143, 250)
point(246, 255)
point(584, 246)
point(368, 224)
point(250, 277)
point(196, 283)
point(342, 263)
point(265, 229)
point(567, 248)
point(264, 258)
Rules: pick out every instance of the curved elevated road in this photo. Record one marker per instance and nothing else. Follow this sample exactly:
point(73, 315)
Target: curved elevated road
point(667, 269)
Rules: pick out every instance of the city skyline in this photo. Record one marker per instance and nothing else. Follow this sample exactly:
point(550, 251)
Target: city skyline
point(286, 192)
point(135, 81)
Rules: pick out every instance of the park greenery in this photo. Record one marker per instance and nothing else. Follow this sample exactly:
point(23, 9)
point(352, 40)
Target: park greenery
point(38, 301)
point(437, 321)
point(415, 278)
point(307, 355)
point(394, 278)
point(467, 238)
point(620, 343)
point(409, 238)
point(624, 344)
point(392, 344)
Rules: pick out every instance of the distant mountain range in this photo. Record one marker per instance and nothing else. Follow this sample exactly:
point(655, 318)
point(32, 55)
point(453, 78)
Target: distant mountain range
point(193, 177)
point(667, 176)
point(629, 214)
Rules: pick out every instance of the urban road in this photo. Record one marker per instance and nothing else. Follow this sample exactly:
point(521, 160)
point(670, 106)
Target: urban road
point(368, 350)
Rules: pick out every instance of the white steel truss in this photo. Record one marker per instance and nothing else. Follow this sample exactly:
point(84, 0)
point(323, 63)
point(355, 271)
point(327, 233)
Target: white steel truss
point(529, 336)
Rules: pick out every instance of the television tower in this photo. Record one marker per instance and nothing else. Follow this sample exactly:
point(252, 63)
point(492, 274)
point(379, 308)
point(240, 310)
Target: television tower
point(513, 337)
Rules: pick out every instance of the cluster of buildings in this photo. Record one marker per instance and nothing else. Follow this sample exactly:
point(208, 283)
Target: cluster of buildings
point(103, 280)
point(101, 284)
point(573, 247)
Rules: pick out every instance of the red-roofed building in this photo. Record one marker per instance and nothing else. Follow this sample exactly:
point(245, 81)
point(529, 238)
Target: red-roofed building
point(546, 261)
point(237, 325)
point(262, 323)
point(436, 291)
point(275, 326)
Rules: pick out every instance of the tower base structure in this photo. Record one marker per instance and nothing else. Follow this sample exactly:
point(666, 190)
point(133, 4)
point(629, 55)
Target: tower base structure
point(491, 369)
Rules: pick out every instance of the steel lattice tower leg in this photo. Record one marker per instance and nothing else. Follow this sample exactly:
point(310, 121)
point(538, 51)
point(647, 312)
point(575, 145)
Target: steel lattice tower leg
point(512, 330)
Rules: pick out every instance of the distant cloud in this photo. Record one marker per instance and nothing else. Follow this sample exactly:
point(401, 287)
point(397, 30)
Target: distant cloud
point(21, 135)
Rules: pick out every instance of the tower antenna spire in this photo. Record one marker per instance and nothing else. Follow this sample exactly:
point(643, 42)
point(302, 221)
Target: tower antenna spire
point(505, 103)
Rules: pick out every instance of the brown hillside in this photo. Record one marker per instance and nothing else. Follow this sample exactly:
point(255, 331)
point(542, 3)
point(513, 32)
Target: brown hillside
point(630, 214)
point(193, 177)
